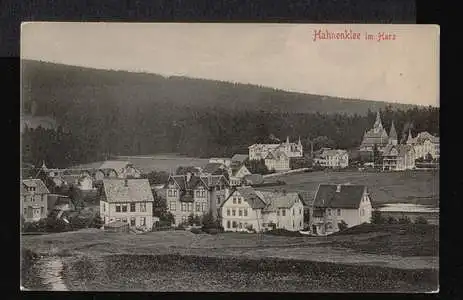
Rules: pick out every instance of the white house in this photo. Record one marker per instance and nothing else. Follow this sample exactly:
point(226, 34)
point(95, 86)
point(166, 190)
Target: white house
point(260, 151)
point(398, 157)
point(247, 209)
point(236, 174)
point(424, 143)
point(277, 161)
point(33, 199)
point(333, 158)
point(127, 200)
point(123, 169)
point(335, 204)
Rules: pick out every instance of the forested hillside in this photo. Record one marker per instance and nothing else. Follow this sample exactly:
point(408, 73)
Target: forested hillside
point(122, 113)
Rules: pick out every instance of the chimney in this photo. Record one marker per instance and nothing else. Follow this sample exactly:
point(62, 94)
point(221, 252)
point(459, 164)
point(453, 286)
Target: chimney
point(126, 182)
point(338, 188)
point(188, 176)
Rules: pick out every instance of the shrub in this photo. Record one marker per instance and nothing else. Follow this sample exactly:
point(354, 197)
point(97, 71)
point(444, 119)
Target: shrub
point(421, 220)
point(404, 220)
point(342, 225)
point(196, 230)
point(376, 217)
point(194, 220)
point(391, 220)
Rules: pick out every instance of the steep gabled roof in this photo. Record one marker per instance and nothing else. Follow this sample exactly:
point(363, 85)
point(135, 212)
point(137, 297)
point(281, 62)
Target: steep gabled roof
point(349, 196)
point(137, 190)
point(212, 168)
point(279, 200)
point(40, 187)
point(251, 197)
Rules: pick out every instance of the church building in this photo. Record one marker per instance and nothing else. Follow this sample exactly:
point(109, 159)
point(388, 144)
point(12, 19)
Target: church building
point(375, 136)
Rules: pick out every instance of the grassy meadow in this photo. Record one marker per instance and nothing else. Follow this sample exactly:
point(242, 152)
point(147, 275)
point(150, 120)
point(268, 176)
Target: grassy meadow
point(417, 187)
point(382, 257)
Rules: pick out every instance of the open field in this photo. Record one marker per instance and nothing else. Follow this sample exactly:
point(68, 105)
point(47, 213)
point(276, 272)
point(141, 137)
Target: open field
point(418, 187)
point(159, 162)
point(402, 257)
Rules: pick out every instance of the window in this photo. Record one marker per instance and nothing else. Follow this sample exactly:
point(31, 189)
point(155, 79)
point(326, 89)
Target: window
point(169, 193)
point(124, 208)
point(234, 200)
point(278, 212)
point(218, 200)
point(132, 207)
point(339, 212)
point(283, 212)
point(240, 225)
point(41, 211)
point(104, 206)
point(173, 206)
point(25, 211)
point(362, 212)
point(198, 207)
point(142, 221)
point(175, 193)
point(198, 194)
point(293, 213)
point(329, 211)
point(239, 200)
point(234, 225)
point(228, 211)
point(233, 212)
point(190, 206)
point(228, 224)
point(245, 211)
point(203, 194)
point(118, 208)
point(203, 206)
point(124, 220)
point(132, 221)
point(142, 207)
point(240, 213)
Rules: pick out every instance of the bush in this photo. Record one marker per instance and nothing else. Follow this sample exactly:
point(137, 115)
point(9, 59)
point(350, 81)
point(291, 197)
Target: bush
point(283, 232)
point(196, 231)
point(342, 225)
point(421, 220)
point(404, 220)
point(391, 220)
point(376, 217)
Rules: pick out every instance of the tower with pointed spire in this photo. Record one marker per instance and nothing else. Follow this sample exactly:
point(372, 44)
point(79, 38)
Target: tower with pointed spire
point(393, 135)
point(375, 136)
point(410, 137)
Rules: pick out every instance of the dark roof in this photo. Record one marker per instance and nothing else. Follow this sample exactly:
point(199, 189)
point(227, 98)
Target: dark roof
point(349, 196)
point(212, 168)
point(402, 150)
point(40, 187)
point(251, 196)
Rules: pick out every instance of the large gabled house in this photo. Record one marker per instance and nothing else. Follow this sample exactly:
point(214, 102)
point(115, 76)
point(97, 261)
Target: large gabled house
point(237, 173)
point(34, 200)
point(195, 195)
point(249, 209)
point(398, 157)
point(127, 200)
point(338, 204)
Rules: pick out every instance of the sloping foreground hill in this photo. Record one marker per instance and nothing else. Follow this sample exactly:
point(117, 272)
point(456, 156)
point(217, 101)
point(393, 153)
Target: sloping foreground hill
point(54, 86)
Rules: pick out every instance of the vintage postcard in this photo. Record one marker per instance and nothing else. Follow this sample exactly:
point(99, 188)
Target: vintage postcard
point(229, 157)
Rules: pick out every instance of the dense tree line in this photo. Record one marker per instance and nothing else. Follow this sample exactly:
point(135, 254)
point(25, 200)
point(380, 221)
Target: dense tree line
point(99, 134)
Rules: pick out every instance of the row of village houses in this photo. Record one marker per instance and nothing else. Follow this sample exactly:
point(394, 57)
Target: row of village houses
point(394, 155)
point(224, 187)
point(241, 208)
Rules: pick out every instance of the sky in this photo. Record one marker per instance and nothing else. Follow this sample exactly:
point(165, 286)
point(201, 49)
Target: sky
point(283, 56)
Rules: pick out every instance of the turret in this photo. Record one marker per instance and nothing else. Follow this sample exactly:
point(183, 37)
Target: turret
point(393, 135)
point(287, 139)
point(378, 124)
point(410, 138)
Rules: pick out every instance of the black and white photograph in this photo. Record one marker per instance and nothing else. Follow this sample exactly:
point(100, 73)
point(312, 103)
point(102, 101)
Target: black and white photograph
point(239, 157)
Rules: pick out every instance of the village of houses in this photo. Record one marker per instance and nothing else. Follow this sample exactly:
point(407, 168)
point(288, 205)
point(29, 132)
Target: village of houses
point(225, 189)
